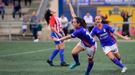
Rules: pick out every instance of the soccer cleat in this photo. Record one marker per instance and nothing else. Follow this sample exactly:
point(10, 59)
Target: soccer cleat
point(64, 64)
point(50, 62)
point(36, 40)
point(72, 66)
point(124, 69)
point(86, 73)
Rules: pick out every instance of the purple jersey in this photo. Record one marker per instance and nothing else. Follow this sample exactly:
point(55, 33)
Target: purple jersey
point(104, 35)
point(84, 35)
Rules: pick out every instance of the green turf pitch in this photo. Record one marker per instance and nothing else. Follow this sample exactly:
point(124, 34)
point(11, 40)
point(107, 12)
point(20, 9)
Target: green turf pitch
point(28, 58)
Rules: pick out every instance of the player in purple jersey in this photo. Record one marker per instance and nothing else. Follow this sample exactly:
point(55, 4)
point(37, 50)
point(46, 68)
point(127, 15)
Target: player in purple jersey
point(86, 42)
point(105, 34)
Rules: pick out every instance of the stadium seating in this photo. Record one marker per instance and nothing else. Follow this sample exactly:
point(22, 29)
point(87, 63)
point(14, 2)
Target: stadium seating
point(13, 26)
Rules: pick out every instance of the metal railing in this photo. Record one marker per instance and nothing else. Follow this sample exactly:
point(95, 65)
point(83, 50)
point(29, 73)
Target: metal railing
point(42, 8)
point(119, 25)
point(9, 27)
point(124, 23)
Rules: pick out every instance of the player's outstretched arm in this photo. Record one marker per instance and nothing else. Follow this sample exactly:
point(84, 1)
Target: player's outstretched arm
point(121, 36)
point(71, 9)
point(65, 38)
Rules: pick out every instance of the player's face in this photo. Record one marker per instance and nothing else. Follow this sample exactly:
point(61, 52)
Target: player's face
point(74, 23)
point(33, 13)
point(98, 19)
point(53, 11)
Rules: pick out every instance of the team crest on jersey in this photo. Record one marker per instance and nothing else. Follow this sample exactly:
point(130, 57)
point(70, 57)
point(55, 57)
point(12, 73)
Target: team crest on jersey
point(104, 30)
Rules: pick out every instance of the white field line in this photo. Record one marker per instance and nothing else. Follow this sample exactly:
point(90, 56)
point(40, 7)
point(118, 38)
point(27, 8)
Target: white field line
point(30, 52)
point(42, 50)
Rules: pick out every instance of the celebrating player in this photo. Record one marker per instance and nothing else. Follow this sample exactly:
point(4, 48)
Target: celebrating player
point(86, 41)
point(105, 34)
point(56, 32)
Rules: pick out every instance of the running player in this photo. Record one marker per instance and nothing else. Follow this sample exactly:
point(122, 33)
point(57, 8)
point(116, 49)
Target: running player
point(105, 34)
point(86, 41)
point(56, 32)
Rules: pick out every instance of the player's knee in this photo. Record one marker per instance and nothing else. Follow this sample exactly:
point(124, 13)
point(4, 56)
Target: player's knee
point(111, 58)
point(90, 59)
point(74, 52)
point(110, 55)
point(61, 46)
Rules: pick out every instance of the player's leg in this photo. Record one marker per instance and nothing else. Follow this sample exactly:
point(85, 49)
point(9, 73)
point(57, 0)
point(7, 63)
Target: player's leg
point(75, 55)
point(90, 52)
point(61, 53)
point(52, 56)
point(89, 65)
point(109, 51)
point(55, 51)
point(116, 51)
point(117, 55)
point(112, 57)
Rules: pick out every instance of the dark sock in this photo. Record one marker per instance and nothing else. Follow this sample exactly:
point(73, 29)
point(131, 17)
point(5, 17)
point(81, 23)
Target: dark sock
point(89, 67)
point(54, 53)
point(119, 59)
point(117, 62)
point(76, 58)
point(62, 55)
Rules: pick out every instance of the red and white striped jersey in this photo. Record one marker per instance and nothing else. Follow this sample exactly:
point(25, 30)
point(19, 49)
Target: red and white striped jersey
point(55, 23)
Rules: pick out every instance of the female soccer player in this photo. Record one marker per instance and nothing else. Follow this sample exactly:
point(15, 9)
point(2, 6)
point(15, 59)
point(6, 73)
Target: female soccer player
point(86, 41)
point(105, 34)
point(56, 32)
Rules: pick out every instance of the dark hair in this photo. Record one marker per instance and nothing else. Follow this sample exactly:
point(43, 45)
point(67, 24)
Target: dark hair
point(104, 20)
point(47, 15)
point(81, 21)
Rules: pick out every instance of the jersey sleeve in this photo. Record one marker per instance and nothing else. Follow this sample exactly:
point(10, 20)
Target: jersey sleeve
point(52, 21)
point(110, 29)
point(75, 34)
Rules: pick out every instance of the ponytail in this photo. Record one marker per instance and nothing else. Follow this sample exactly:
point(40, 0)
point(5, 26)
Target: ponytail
point(47, 15)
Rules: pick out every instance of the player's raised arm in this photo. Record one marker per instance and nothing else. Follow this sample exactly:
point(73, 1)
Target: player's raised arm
point(71, 9)
point(121, 36)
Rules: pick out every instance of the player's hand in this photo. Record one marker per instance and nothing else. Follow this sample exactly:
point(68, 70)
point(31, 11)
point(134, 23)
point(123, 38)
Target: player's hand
point(56, 39)
point(68, 1)
point(127, 38)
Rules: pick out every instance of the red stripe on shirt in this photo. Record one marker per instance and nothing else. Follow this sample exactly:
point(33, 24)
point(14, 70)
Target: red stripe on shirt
point(55, 23)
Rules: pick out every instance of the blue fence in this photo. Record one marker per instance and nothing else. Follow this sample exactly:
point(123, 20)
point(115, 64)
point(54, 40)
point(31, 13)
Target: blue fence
point(89, 6)
point(82, 12)
point(102, 2)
